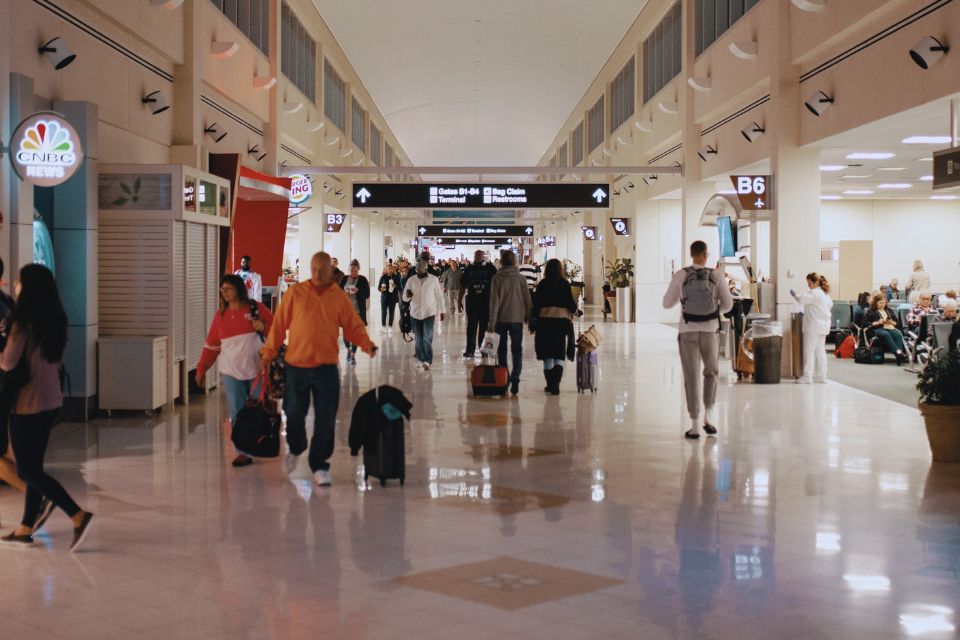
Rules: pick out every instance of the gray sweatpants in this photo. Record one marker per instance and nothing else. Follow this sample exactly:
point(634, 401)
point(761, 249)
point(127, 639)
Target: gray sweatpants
point(697, 347)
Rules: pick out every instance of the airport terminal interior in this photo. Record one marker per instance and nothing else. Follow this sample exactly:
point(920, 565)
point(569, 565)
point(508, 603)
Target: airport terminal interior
point(175, 167)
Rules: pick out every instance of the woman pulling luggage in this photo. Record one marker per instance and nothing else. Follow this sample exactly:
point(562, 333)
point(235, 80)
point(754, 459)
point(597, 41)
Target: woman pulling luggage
point(235, 337)
point(33, 357)
point(552, 324)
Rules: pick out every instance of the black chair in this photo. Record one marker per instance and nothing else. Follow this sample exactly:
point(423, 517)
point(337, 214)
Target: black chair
point(941, 337)
point(841, 321)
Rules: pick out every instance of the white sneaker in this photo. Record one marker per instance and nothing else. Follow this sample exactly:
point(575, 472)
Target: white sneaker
point(426, 366)
point(802, 381)
point(290, 463)
point(323, 478)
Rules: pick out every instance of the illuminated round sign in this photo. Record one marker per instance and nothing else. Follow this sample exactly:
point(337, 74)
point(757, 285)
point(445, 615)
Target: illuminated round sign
point(45, 150)
point(300, 188)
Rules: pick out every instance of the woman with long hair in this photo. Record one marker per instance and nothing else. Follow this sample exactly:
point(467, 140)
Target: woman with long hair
point(389, 286)
point(880, 323)
point(357, 288)
point(817, 307)
point(235, 337)
point(553, 312)
point(38, 337)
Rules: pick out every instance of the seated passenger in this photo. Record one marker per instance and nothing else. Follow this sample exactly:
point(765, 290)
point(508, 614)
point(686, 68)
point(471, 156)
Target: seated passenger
point(859, 309)
point(945, 298)
point(950, 311)
point(881, 325)
point(891, 290)
point(924, 308)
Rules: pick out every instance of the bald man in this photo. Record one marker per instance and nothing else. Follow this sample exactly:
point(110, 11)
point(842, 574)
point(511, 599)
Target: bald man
point(313, 312)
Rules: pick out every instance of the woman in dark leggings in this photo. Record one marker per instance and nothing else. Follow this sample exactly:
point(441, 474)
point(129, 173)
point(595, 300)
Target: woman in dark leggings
point(38, 336)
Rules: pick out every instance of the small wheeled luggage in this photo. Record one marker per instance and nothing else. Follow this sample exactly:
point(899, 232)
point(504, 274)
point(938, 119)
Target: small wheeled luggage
point(586, 371)
point(257, 428)
point(388, 460)
point(489, 380)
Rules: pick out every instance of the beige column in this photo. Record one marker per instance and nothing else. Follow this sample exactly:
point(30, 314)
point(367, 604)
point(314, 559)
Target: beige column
point(187, 114)
point(272, 128)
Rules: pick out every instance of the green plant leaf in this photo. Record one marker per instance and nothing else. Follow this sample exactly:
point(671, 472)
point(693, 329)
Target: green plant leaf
point(136, 186)
point(126, 188)
point(119, 201)
point(135, 199)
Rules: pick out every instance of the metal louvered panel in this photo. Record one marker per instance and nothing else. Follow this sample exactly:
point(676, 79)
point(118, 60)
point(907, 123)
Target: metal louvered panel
point(134, 276)
point(179, 285)
point(213, 288)
point(195, 291)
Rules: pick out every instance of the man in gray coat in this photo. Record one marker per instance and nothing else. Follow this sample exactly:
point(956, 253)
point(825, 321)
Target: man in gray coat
point(510, 308)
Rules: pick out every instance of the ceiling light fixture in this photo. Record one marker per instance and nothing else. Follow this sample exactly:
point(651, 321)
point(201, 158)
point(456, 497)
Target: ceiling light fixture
point(928, 51)
point(58, 53)
point(818, 103)
point(705, 151)
point(255, 152)
point(870, 155)
point(894, 185)
point(744, 49)
point(650, 178)
point(809, 5)
point(727, 192)
point(853, 177)
point(215, 132)
point(832, 167)
point(221, 50)
point(924, 159)
point(157, 101)
point(831, 197)
point(700, 83)
point(262, 83)
point(858, 192)
point(669, 107)
point(169, 5)
point(315, 125)
point(752, 131)
point(944, 197)
point(891, 169)
point(926, 178)
point(927, 140)
point(292, 106)
point(643, 125)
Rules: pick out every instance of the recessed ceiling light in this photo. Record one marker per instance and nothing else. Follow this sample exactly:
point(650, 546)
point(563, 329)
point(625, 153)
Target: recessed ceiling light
point(927, 178)
point(891, 169)
point(894, 185)
point(924, 159)
point(852, 177)
point(831, 197)
point(858, 192)
point(927, 140)
point(832, 167)
point(870, 155)
point(944, 197)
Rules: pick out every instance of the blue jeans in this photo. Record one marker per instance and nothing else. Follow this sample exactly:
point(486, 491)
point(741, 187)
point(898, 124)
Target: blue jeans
point(322, 384)
point(423, 331)
point(237, 392)
point(892, 339)
point(550, 363)
point(515, 331)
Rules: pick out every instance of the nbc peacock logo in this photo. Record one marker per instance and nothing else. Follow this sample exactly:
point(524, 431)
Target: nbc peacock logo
point(47, 150)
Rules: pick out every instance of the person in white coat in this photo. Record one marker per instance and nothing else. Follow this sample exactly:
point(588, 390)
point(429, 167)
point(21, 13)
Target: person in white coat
point(817, 306)
point(425, 295)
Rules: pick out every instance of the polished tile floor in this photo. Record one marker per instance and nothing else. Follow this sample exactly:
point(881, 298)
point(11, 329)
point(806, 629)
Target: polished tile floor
point(815, 514)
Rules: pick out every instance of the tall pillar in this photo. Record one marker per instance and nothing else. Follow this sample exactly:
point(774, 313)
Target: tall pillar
point(271, 133)
point(187, 113)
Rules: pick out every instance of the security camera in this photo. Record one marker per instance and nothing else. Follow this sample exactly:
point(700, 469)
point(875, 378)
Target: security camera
point(705, 151)
point(928, 51)
point(818, 103)
point(157, 101)
point(752, 131)
point(58, 53)
point(215, 132)
point(650, 178)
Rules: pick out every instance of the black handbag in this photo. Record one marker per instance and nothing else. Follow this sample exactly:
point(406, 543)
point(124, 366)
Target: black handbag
point(257, 428)
point(12, 382)
point(868, 355)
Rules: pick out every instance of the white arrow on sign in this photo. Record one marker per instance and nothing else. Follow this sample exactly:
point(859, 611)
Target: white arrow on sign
point(529, 231)
point(599, 194)
point(422, 230)
point(363, 194)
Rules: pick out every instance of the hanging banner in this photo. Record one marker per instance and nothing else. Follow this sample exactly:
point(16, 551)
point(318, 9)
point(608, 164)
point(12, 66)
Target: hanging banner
point(45, 150)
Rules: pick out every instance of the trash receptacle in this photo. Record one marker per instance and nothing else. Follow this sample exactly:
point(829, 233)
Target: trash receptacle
point(767, 337)
point(796, 344)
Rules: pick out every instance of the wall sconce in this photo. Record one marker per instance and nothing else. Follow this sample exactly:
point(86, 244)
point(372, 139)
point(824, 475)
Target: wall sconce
point(315, 125)
point(58, 53)
point(331, 140)
point(222, 50)
point(928, 51)
point(169, 5)
point(215, 132)
point(705, 151)
point(262, 83)
point(346, 153)
point(700, 83)
point(752, 131)
point(157, 101)
point(609, 152)
point(809, 5)
point(650, 178)
point(254, 150)
point(669, 107)
point(326, 187)
point(643, 125)
point(339, 193)
point(744, 49)
point(628, 187)
point(818, 103)
point(292, 106)
point(616, 193)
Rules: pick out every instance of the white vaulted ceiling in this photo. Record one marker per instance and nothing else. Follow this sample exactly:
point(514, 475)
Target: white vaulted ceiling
point(470, 82)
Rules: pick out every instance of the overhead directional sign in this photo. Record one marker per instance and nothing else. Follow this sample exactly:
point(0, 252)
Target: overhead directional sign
point(519, 195)
point(621, 226)
point(590, 233)
point(946, 168)
point(753, 192)
point(334, 222)
point(463, 231)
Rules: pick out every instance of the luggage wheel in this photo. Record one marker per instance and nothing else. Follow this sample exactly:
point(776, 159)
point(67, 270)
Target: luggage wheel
point(383, 482)
point(402, 480)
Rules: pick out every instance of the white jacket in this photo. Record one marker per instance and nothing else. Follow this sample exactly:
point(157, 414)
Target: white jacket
point(816, 311)
point(427, 297)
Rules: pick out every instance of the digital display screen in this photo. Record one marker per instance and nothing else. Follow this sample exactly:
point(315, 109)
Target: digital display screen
point(728, 247)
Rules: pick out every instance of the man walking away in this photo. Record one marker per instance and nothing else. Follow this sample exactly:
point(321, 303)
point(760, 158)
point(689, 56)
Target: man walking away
point(475, 284)
point(251, 279)
point(530, 273)
point(510, 307)
point(426, 301)
point(703, 297)
point(451, 286)
point(313, 312)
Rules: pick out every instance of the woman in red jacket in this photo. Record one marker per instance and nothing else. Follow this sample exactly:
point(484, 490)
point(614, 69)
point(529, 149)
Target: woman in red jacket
point(234, 340)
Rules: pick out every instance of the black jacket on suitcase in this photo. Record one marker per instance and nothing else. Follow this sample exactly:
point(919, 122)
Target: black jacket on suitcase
point(380, 437)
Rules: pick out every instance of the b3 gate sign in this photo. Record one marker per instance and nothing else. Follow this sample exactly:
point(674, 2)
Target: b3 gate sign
point(519, 195)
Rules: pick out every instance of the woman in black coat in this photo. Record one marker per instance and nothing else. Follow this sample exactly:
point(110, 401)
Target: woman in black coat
point(553, 312)
point(389, 286)
point(357, 289)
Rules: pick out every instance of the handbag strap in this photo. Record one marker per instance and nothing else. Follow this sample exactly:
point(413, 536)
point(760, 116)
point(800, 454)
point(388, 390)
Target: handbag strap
point(260, 387)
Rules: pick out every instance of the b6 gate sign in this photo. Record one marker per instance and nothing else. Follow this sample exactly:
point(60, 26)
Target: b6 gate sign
point(753, 192)
point(45, 150)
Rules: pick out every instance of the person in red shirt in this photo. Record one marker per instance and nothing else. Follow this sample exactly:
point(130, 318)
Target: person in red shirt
point(234, 340)
point(313, 313)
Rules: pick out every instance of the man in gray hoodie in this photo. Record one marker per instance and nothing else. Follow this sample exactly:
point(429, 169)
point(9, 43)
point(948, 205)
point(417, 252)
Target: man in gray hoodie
point(510, 308)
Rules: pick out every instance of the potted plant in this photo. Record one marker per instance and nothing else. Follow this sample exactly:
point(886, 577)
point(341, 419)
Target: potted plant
point(575, 273)
point(939, 387)
point(620, 274)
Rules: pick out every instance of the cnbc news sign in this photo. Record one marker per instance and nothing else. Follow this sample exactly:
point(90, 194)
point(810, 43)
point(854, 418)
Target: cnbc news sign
point(45, 150)
point(521, 195)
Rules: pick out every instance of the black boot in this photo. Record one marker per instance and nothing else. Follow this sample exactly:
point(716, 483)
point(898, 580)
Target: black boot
point(548, 378)
point(555, 375)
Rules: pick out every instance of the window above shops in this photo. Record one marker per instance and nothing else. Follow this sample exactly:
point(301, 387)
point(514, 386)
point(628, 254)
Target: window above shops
point(622, 91)
point(376, 141)
point(595, 125)
point(252, 17)
point(714, 17)
point(662, 53)
point(576, 153)
point(299, 57)
point(334, 96)
point(388, 160)
point(358, 121)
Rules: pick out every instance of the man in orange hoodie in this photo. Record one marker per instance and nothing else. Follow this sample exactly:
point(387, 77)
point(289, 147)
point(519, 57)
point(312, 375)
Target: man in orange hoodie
point(313, 312)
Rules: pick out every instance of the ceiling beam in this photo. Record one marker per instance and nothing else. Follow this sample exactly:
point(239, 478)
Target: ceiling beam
point(482, 171)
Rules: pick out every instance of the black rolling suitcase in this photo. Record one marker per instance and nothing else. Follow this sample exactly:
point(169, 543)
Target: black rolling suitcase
point(388, 461)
